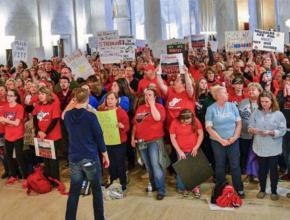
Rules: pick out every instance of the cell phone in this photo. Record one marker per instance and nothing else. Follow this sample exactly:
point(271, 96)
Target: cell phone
point(269, 73)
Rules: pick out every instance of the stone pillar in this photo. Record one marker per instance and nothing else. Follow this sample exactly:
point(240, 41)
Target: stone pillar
point(253, 14)
point(283, 8)
point(153, 28)
point(226, 18)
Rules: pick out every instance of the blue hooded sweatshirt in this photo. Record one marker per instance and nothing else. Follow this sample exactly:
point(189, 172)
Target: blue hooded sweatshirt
point(85, 135)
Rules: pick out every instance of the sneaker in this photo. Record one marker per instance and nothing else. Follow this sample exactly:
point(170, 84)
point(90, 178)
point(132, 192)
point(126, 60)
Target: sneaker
point(185, 193)
point(285, 177)
point(241, 194)
point(24, 184)
point(261, 195)
point(11, 180)
point(196, 192)
point(274, 197)
point(160, 197)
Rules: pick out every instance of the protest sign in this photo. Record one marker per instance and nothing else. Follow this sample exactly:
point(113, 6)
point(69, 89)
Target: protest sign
point(108, 121)
point(19, 51)
point(175, 48)
point(127, 48)
point(44, 148)
point(197, 40)
point(79, 65)
point(171, 65)
point(214, 45)
point(268, 41)
point(238, 41)
point(140, 43)
point(109, 47)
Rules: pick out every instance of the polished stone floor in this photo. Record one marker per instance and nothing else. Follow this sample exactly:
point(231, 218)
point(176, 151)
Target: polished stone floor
point(15, 204)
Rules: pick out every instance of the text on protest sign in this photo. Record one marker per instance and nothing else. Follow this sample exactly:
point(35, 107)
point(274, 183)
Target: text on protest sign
point(108, 121)
point(19, 51)
point(175, 48)
point(79, 65)
point(268, 41)
point(172, 65)
point(197, 41)
point(44, 148)
point(127, 49)
point(238, 41)
point(109, 47)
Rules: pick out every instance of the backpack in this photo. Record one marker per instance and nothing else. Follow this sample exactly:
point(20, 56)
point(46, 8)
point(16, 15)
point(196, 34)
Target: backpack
point(229, 198)
point(38, 183)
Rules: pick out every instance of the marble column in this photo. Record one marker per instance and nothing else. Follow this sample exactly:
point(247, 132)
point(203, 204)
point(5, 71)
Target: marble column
point(226, 18)
point(252, 6)
point(153, 28)
point(283, 8)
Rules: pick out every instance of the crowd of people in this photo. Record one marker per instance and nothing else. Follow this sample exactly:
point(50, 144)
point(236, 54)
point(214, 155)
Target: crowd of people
point(235, 107)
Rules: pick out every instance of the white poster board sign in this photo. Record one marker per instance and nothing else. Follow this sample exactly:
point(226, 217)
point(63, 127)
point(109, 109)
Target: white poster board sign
point(127, 48)
point(268, 41)
point(197, 41)
point(44, 148)
point(79, 65)
point(238, 41)
point(171, 65)
point(214, 45)
point(19, 51)
point(109, 47)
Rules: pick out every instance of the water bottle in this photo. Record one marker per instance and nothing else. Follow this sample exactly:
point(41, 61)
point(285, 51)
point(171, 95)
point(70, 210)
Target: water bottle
point(149, 188)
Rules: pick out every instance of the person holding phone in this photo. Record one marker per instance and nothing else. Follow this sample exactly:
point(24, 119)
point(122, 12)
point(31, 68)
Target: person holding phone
point(268, 126)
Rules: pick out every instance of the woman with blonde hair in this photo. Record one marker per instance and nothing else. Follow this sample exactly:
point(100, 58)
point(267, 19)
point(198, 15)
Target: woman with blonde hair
point(223, 123)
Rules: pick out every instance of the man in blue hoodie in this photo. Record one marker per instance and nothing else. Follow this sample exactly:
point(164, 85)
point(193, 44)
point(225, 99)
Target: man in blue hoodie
point(85, 143)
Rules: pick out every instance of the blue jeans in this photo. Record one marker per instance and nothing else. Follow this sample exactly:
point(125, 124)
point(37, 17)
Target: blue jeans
point(232, 152)
point(286, 150)
point(150, 157)
point(90, 169)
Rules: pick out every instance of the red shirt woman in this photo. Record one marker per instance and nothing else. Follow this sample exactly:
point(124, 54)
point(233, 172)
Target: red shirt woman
point(46, 120)
point(13, 119)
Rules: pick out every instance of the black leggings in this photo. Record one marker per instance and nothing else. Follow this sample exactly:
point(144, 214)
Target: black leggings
point(117, 168)
point(51, 166)
point(267, 164)
point(12, 163)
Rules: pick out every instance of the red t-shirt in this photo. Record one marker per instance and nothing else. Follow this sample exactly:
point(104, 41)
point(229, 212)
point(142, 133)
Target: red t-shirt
point(13, 133)
point(144, 83)
point(45, 114)
point(237, 99)
point(185, 137)
point(124, 119)
point(2, 104)
point(146, 127)
point(176, 102)
point(195, 73)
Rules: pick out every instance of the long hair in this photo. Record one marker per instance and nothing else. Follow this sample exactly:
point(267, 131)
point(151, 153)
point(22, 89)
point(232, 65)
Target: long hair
point(274, 106)
point(198, 91)
point(263, 84)
point(47, 91)
point(123, 87)
point(186, 114)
